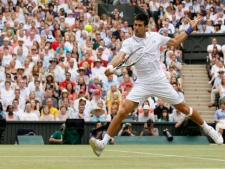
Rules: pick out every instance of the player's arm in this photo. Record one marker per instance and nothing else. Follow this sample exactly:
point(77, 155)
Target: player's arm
point(117, 59)
point(180, 38)
point(115, 62)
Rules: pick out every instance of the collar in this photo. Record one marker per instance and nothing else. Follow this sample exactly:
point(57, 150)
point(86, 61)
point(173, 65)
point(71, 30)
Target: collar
point(138, 39)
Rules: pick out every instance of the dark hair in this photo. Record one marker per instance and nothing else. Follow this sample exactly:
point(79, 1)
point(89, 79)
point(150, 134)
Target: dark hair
point(142, 17)
point(167, 116)
point(16, 100)
point(175, 83)
point(72, 91)
point(7, 109)
point(149, 122)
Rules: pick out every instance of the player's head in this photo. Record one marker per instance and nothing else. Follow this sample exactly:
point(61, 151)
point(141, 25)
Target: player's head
point(140, 25)
point(142, 17)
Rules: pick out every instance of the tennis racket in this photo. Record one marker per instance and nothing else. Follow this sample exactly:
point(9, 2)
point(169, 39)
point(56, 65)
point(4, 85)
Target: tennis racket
point(133, 58)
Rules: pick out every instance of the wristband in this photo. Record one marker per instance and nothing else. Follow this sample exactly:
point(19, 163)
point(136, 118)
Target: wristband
point(189, 30)
point(110, 67)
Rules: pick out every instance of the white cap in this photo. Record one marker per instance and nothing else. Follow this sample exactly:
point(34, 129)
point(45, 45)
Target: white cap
point(6, 39)
point(21, 39)
point(146, 107)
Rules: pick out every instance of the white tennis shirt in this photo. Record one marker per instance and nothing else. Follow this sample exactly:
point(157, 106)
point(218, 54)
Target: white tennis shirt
point(148, 67)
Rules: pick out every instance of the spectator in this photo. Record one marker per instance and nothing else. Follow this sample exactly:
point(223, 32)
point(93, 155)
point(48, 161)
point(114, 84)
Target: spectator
point(214, 43)
point(62, 116)
point(127, 130)
point(64, 83)
point(28, 115)
point(176, 116)
point(20, 99)
point(146, 115)
point(35, 106)
point(99, 70)
point(9, 115)
point(7, 94)
point(222, 88)
point(95, 99)
point(149, 129)
point(113, 94)
point(52, 109)
point(16, 110)
point(97, 114)
point(49, 94)
point(57, 136)
point(114, 111)
point(128, 89)
point(159, 109)
point(164, 117)
point(81, 113)
point(107, 84)
point(82, 72)
point(100, 134)
point(219, 116)
point(175, 86)
point(46, 116)
point(215, 88)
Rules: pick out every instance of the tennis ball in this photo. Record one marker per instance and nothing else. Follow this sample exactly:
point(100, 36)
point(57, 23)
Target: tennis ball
point(88, 28)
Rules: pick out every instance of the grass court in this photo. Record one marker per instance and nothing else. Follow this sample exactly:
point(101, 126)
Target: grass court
point(114, 157)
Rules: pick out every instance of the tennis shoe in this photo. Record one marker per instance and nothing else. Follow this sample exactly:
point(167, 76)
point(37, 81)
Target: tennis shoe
point(217, 138)
point(97, 146)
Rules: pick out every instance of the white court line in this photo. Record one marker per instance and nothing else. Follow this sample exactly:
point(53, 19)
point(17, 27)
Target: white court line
point(168, 155)
point(64, 156)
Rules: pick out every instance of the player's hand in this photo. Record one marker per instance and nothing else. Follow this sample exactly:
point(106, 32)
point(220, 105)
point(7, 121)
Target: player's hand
point(108, 72)
point(195, 22)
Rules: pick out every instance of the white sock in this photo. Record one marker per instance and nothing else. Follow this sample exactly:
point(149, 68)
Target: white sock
point(106, 139)
point(205, 126)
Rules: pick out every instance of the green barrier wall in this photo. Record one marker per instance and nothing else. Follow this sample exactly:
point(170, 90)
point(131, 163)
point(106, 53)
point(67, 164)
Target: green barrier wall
point(46, 129)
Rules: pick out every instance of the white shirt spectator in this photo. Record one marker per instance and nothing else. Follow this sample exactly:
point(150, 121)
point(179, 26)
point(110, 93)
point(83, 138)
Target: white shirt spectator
point(87, 106)
point(19, 112)
point(29, 117)
point(210, 47)
point(100, 72)
point(174, 117)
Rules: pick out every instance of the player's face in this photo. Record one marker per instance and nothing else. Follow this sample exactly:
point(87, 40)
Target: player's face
point(139, 28)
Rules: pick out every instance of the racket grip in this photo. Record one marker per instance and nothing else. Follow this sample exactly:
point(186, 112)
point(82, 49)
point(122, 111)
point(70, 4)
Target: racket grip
point(113, 70)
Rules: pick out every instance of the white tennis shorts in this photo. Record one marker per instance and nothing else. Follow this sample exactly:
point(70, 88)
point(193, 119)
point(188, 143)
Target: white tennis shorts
point(163, 90)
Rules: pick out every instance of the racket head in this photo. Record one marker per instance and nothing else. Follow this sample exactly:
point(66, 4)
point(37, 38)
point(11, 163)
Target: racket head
point(134, 57)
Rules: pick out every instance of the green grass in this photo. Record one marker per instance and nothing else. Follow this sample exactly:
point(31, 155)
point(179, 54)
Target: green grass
point(114, 157)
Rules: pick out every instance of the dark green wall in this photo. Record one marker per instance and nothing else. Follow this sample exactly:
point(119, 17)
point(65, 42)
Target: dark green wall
point(46, 129)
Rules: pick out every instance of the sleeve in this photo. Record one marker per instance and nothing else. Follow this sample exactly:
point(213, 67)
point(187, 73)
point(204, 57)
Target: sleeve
point(163, 39)
point(126, 47)
point(55, 135)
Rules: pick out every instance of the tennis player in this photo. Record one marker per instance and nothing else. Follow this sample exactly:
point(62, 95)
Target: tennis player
point(151, 81)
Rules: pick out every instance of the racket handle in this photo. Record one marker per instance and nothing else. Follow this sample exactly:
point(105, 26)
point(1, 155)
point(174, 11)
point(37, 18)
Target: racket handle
point(114, 69)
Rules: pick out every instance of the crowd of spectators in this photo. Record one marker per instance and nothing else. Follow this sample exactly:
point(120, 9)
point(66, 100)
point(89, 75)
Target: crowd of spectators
point(51, 68)
point(216, 72)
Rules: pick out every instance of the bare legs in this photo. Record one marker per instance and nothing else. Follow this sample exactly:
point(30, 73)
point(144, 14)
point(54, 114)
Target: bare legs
point(182, 107)
point(126, 108)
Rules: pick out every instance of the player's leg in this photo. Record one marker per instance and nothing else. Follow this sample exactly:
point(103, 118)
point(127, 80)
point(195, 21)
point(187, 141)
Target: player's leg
point(99, 145)
point(127, 107)
point(137, 95)
point(194, 115)
point(165, 91)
